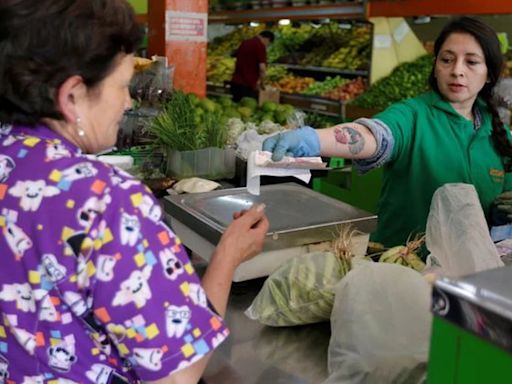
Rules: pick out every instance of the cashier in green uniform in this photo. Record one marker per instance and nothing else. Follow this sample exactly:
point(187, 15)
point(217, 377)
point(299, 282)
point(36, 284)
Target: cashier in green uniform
point(452, 134)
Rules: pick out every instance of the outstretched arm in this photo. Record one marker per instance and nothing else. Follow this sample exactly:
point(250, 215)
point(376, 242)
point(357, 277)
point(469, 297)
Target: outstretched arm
point(348, 140)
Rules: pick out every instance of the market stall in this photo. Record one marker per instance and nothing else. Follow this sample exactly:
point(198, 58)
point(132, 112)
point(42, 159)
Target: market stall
point(323, 68)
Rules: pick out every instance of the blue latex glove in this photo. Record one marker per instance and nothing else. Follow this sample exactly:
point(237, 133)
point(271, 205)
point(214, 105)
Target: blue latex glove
point(300, 142)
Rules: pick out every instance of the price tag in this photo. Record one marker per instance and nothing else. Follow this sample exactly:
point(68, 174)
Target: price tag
point(382, 41)
point(318, 107)
point(401, 31)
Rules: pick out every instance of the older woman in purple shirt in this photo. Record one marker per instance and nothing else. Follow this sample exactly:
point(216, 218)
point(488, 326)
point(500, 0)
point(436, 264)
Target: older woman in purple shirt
point(94, 287)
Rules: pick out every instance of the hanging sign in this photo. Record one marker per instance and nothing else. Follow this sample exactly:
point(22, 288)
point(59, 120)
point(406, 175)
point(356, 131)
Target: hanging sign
point(186, 26)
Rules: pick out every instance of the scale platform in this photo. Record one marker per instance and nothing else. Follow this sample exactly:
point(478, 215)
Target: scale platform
point(299, 217)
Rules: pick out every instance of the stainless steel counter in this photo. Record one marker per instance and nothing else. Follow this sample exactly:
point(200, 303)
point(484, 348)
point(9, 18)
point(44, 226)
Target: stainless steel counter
point(257, 354)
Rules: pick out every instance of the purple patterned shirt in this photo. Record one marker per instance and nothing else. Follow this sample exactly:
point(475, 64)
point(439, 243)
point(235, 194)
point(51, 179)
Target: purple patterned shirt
point(95, 288)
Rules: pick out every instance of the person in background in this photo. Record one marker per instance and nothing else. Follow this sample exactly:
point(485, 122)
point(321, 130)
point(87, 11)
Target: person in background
point(451, 134)
point(94, 287)
point(251, 66)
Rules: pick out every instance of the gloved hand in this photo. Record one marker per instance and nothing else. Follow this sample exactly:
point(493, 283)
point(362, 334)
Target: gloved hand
point(300, 142)
point(501, 210)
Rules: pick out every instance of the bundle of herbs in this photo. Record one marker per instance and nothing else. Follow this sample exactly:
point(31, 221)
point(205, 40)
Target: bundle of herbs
point(184, 126)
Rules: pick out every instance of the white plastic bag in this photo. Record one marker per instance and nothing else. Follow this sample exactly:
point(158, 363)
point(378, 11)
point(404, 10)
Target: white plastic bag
point(380, 326)
point(457, 234)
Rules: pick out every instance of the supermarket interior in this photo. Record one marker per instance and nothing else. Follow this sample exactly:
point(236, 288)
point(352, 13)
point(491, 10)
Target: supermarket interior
point(293, 192)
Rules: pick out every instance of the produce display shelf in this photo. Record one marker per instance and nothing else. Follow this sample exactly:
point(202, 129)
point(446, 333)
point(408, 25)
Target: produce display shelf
point(352, 112)
point(334, 71)
point(217, 89)
point(306, 103)
point(348, 10)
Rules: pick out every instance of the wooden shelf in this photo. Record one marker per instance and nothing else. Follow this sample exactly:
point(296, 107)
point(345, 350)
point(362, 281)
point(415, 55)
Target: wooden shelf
point(348, 10)
point(408, 8)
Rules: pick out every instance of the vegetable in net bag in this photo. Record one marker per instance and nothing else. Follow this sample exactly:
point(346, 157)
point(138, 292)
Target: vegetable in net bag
point(380, 326)
point(301, 291)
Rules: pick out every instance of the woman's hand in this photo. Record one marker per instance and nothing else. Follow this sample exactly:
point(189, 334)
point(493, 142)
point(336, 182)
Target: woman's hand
point(242, 240)
point(245, 236)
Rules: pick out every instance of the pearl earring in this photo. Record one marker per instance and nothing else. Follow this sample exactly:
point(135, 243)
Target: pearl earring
point(81, 132)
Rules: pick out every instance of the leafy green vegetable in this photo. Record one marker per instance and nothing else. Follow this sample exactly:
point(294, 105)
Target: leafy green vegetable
point(184, 126)
point(406, 81)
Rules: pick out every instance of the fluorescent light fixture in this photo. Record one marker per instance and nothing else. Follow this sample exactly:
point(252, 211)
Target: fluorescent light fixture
point(284, 22)
point(254, 24)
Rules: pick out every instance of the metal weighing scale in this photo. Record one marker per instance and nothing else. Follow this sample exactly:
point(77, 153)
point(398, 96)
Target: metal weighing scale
point(299, 218)
point(472, 329)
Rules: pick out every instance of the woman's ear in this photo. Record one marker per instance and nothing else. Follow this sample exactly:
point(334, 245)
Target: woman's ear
point(69, 96)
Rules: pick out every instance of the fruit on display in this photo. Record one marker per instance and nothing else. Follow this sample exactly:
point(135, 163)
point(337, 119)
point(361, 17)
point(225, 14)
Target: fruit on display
point(406, 81)
point(276, 73)
point(319, 88)
point(348, 90)
point(355, 54)
point(220, 69)
point(306, 58)
point(288, 39)
point(226, 44)
point(335, 45)
point(293, 84)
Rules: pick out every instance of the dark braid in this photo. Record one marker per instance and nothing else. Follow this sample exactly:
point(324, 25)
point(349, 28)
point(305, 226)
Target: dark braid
point(499, 136)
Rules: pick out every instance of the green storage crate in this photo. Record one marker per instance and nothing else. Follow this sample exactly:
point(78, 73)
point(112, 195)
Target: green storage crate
point(346, 184)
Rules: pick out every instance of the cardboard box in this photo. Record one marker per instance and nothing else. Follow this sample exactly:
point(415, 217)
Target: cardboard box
point(268, 94)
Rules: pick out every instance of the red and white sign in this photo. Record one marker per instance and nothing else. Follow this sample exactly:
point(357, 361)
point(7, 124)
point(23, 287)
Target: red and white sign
point(186, 26)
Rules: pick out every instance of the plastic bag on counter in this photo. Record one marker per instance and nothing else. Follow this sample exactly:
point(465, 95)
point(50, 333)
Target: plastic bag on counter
point(301, 291)
point(458, 238)
point(380, 326)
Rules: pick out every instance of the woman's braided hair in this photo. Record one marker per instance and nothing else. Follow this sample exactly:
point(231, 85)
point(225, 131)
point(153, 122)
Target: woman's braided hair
point(488, 41)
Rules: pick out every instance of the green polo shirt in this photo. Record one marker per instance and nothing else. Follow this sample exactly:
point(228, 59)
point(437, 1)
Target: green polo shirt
point(434, 145)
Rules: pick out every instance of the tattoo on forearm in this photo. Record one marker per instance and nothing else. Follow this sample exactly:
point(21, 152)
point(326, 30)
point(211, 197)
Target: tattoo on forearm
point(350, 137)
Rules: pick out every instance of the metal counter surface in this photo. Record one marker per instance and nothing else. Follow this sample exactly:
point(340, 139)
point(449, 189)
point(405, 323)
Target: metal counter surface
point(257, 354)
